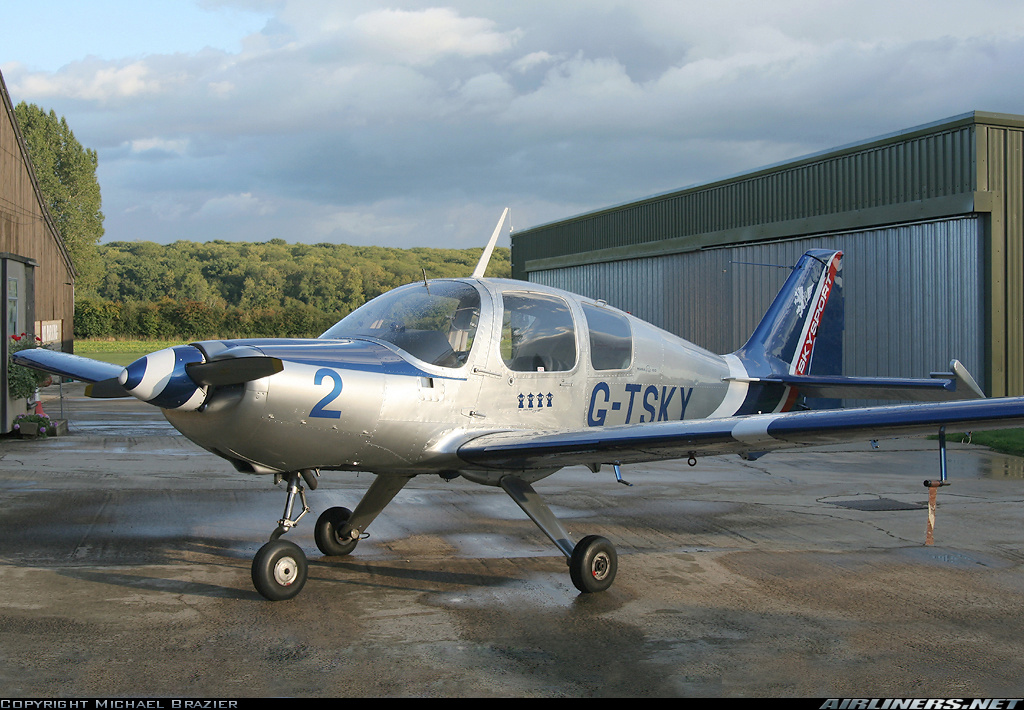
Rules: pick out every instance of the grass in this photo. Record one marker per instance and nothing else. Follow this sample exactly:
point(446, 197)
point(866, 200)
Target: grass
point(121, 352)
point(1005, 441)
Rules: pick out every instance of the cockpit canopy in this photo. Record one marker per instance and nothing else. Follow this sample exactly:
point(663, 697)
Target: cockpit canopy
point(436, 323)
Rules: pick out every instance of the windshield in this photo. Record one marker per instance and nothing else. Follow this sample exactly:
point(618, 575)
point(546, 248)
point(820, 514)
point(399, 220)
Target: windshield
point(434, 322)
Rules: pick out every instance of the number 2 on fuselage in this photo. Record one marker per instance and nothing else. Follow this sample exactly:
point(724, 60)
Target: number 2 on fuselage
point(319, 409)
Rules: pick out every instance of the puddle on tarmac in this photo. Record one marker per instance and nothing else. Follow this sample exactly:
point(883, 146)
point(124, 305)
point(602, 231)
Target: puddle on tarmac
point(1011, 467)
point(953, 558)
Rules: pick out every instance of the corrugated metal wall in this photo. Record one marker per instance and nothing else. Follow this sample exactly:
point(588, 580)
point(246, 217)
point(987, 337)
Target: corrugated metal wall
point(964, 175)
point(1001, 176)
point(887, 172)
point(914, 293)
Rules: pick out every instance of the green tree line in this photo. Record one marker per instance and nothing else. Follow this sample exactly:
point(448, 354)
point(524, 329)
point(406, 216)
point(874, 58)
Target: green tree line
point(215, 289)
point(66, 172)
point(193, 290)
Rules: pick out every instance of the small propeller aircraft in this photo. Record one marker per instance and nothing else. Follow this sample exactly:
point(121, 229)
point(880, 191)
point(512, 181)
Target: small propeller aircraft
point(505, 382)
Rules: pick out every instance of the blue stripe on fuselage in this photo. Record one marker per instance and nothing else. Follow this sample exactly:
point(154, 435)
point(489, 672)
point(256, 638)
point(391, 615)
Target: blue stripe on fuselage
point(348, 354)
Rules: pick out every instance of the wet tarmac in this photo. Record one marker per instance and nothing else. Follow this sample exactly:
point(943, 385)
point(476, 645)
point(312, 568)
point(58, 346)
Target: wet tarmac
point(125, 571)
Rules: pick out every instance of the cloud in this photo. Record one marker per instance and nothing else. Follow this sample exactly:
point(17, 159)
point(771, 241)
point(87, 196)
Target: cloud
point(532, 61)
point(93, 80)
point(425, 36)
point(160, 146)
point(389, 122)
point(231, 206)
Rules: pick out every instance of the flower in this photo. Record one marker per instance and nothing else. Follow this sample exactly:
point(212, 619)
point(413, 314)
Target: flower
point(21, 381)
point(43, 421)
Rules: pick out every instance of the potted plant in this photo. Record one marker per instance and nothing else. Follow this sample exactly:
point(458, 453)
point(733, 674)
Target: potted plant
point(21, 381)
point(31, 426)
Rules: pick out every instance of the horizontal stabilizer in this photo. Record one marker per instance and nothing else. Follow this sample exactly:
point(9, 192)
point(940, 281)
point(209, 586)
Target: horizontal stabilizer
point(233, 371)
point(67, 365)
point(942, 386)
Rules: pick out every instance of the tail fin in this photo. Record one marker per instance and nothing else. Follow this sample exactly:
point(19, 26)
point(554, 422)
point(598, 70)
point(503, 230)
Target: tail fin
point(803, 324)
point(803, 328)
point(787, 338)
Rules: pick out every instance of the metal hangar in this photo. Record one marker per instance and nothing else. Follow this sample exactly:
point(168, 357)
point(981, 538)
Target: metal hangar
point(930, 219)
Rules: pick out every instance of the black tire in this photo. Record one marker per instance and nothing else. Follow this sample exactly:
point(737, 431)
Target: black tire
point(593, 564)
point(325, 533)
point(279, 570)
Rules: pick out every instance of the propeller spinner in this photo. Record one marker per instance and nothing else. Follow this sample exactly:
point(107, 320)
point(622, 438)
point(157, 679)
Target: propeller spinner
point(161, 379)
point(180, 377)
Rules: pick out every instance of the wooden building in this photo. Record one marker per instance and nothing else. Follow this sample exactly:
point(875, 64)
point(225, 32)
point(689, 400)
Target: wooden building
point(36, 272)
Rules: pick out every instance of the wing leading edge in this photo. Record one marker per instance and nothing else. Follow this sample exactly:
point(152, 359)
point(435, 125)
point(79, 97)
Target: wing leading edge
point(521, 450)
point(67, 365)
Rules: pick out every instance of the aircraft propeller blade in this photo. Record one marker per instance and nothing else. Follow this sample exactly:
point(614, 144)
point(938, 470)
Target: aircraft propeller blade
point(106, 389)
point(233, 371)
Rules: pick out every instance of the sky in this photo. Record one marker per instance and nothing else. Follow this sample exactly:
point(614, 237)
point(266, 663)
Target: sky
point(409, 124)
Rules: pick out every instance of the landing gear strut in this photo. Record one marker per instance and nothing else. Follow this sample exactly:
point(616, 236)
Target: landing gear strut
point(592, 561)
point(279, 569)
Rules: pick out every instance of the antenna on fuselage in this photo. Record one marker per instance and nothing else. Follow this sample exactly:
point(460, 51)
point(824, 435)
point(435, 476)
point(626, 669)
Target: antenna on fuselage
point(481, 267)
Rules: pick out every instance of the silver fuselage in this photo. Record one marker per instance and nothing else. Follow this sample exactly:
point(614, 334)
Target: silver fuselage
point(400, 416)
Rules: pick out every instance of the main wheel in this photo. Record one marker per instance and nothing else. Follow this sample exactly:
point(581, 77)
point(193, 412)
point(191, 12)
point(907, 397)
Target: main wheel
point(330, 522)
point(279, 570)
point(593, 564)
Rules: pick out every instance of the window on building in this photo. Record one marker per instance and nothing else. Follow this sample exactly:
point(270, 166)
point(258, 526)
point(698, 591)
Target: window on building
point(12, 307)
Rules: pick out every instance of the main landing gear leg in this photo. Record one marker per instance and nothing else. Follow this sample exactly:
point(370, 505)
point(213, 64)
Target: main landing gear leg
point(338, 529)
point(593, 561)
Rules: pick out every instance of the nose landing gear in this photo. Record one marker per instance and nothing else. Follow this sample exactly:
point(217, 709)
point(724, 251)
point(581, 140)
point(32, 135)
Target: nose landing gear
point(279, 568)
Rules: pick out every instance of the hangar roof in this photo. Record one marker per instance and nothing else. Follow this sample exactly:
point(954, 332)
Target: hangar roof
point(945, 168)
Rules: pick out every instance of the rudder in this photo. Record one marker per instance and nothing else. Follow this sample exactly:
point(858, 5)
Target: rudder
point(803, 326)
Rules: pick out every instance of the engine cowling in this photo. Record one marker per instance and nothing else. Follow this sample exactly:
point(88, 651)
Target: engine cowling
point(161, 379)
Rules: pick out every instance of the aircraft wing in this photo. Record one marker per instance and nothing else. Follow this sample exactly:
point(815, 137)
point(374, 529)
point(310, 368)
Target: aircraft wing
point(66, 365)
point(635, 443)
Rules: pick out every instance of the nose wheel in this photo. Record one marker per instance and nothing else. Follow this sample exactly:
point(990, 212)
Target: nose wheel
point(279, 570)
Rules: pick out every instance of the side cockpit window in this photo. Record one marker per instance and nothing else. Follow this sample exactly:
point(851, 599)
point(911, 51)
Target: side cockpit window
point(537, 333)
point(434, 322)
point(611, 341)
